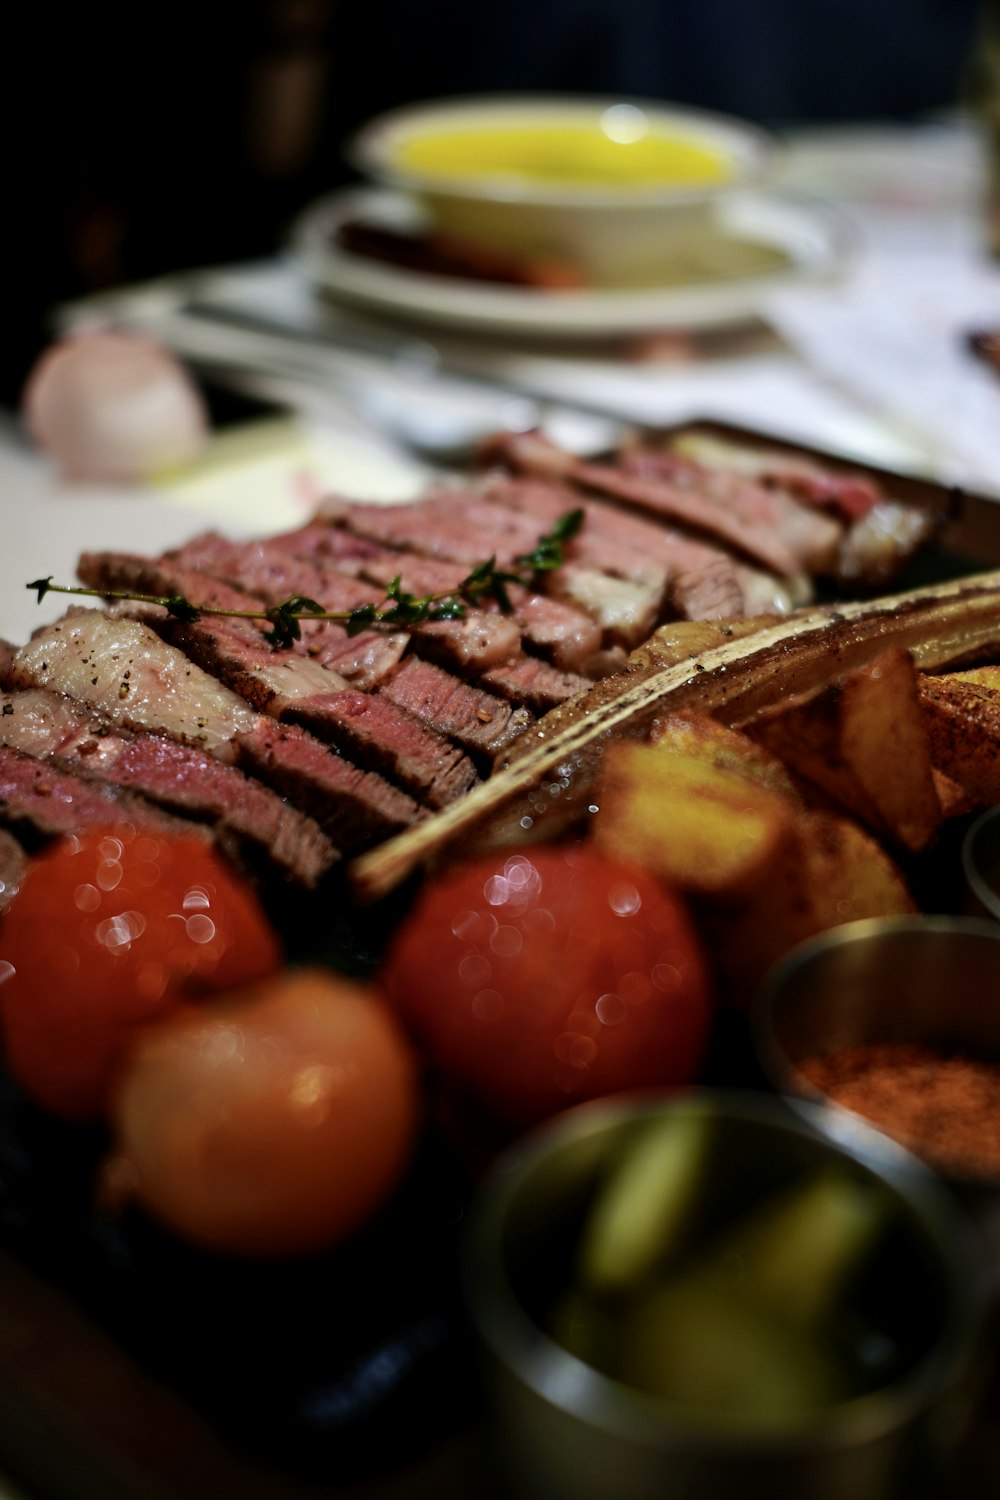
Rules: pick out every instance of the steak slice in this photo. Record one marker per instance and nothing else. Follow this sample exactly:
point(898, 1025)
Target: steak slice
point(13, 867)
point(274, 574)
point(532, 682)
point(460, 529)
point(235, 650)
point(124, 671)
point(568, 637)
point(748, 519)
point(481, 723)
point(88, 652)
point(253, 822)
point(45, 801)
point(813, 537)
point(376, 732)
point(700, 581)
point(358, 808)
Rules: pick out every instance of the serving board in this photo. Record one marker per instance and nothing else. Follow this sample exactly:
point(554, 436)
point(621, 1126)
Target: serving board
point(133, 1368)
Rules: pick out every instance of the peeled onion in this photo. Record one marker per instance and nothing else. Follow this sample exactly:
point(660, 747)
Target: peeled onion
point(274, 1122)
point(112, 406)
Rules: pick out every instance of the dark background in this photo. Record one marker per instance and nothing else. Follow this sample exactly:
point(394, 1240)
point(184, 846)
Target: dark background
point(144, 138)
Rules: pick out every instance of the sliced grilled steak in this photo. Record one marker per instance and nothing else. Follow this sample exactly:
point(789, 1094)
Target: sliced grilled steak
point(700, 581)
point(87, 654)
point(812, 537)
point(483, 724)
point(358, 808)
point(374, 731)
point(748, 519)
point(461, 529)
point(122, 669)
point(13, 867)
point(234, 650)
point(255, 823)
point(480, 641)
point(42, 800)
point(532, 682)
point(274, 573)
point(849, 494)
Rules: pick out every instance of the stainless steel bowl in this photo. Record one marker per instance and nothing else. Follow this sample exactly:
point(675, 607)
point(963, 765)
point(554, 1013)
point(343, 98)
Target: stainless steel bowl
point(561, 1430)
point(934, 981)
point(981, 865)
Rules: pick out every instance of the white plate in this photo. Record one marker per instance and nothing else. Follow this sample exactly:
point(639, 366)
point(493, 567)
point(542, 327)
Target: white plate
point(814, 238)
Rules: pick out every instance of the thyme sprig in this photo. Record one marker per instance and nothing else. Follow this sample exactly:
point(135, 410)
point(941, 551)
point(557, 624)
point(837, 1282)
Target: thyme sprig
point(399, 608)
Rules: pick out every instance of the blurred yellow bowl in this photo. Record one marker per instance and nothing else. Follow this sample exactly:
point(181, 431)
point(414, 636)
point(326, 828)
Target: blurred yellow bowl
point(610, 187)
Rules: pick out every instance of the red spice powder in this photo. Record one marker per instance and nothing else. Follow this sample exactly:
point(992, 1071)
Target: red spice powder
point(945, 1109)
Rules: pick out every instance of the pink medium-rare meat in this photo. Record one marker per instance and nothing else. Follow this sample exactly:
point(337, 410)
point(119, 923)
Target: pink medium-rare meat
point(87, 656)
point(358, 808)
point(429, 526)
point(13, 867)
point(274, 574)
point(812, 537)
point(533, 683)
point(700, 581)
point(846, 492)
point(474, 645)
point(747, 521)
point(252, 821)
point(235, 650)
point(123, 670)
point(480, 641)
point(374, 731)
point(568, 637)
point(47, 801)
point(460, 529)
point(480, 722)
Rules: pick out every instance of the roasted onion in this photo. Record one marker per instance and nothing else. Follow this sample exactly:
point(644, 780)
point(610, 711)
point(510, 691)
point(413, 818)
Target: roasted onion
point(112, 406)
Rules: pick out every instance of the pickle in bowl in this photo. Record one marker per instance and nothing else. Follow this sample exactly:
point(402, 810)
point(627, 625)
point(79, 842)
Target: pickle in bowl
point(700, 1295)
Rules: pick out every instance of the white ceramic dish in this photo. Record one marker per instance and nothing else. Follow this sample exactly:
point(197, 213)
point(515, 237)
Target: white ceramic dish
point(607, 186)
point(813, 240)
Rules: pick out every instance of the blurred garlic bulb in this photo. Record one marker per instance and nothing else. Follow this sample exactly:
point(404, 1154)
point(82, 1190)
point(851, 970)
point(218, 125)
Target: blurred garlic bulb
point(114, 406)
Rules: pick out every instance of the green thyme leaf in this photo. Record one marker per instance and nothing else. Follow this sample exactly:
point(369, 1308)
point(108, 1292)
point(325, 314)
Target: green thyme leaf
point(360, 619)
point(41, 586)
point(548, 554)
point(180, 608)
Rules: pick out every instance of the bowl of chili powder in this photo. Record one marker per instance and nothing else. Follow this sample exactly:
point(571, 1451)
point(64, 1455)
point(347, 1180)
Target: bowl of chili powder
point(894, 1022)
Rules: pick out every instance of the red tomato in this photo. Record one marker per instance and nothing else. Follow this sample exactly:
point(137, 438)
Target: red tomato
point(110, 930)
point(549, 977)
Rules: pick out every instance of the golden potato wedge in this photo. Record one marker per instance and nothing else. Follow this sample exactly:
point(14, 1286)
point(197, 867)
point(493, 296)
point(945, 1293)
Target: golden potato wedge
point(885, 743)
point(705, 739)
point(864, 744)
point(963, 725)
point(707, 829)
point(834, 872)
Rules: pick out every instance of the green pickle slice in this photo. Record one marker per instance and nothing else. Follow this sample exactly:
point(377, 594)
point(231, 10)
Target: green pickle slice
point(737, 1329)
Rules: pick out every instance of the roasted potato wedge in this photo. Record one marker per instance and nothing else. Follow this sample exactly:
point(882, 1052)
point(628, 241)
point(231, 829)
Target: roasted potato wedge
point(833, 872)
point(864, 744)
point(885, 742)
point(963, 724)
point(704, 826)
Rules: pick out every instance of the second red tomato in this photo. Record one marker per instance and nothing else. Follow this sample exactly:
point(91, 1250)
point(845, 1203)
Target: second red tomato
point(549, 977)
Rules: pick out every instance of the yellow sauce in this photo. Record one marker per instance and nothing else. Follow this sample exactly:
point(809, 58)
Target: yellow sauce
point(567, 156)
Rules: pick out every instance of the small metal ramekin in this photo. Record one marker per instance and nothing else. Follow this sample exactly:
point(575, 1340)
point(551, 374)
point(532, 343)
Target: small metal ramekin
point(558, 1429)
